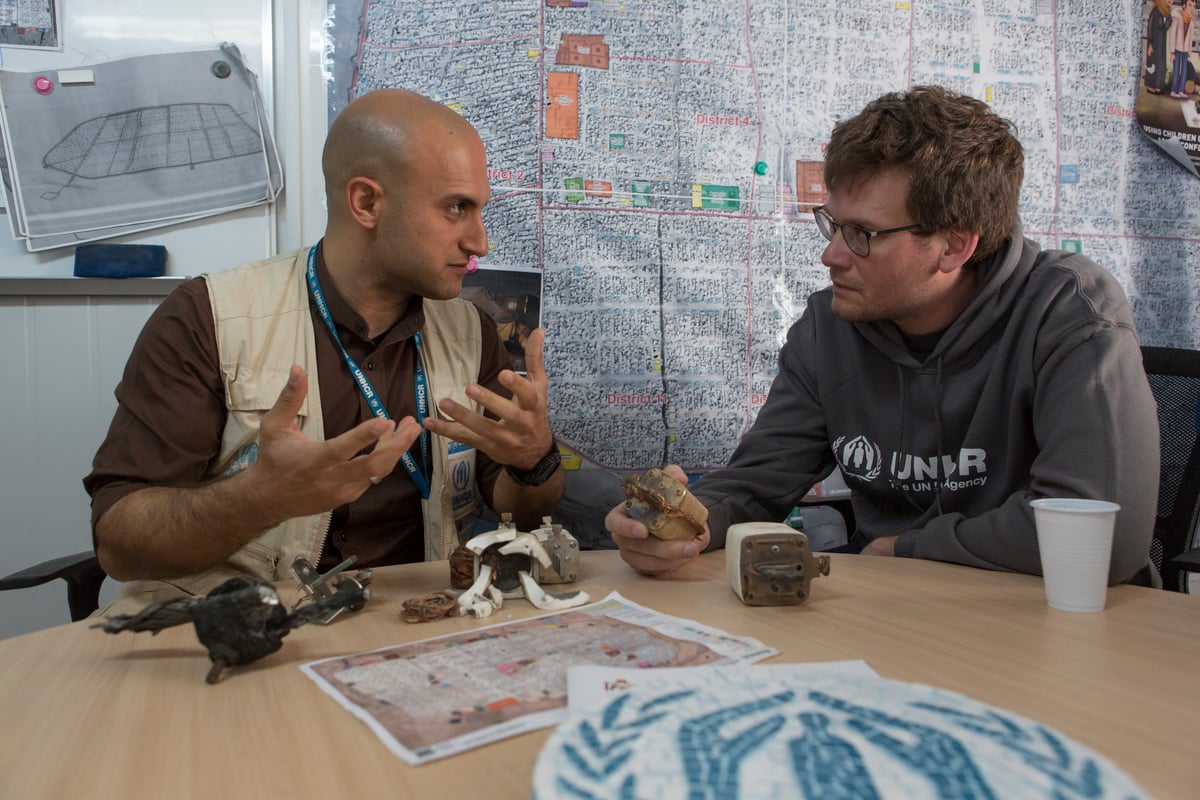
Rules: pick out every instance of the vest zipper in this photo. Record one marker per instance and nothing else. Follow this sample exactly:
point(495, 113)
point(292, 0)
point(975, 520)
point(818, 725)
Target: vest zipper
point(324, 535)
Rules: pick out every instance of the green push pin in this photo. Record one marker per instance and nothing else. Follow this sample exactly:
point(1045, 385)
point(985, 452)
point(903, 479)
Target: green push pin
point(760, 168)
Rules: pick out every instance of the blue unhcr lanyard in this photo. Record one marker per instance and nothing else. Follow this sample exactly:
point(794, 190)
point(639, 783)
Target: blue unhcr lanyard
point(420, 475)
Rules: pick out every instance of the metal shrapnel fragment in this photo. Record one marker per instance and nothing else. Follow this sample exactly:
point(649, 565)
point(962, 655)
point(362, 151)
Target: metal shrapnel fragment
point(428, 607)
point(664, 505)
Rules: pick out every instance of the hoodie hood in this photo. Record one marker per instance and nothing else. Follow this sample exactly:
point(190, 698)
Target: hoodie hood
point(1001, 281)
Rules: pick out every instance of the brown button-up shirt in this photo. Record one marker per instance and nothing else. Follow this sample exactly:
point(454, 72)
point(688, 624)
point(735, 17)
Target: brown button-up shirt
point(171, 412)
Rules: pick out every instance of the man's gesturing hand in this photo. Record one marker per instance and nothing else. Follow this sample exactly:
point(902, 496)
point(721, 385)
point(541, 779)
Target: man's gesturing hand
point(295, 476)
point(520, 435)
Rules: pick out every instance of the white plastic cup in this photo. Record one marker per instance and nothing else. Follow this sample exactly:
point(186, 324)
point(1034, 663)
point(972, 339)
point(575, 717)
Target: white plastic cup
point(1075, 542)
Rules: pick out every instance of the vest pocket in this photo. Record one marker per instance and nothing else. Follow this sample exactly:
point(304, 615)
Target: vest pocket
point(205, 582)
point(261, 556)
point(249, 394)
point(256, 390)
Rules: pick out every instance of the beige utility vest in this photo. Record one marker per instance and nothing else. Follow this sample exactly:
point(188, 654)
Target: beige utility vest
point(263, 326)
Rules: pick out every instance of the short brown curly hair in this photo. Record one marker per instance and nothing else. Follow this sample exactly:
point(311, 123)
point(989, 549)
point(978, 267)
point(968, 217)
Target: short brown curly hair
point(964, 161)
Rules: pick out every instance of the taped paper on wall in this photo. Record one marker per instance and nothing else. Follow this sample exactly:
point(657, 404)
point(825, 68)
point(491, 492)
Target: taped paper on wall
point(148, 141)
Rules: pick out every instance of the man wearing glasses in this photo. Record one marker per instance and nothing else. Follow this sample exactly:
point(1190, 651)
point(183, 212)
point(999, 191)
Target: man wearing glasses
point(953, 370)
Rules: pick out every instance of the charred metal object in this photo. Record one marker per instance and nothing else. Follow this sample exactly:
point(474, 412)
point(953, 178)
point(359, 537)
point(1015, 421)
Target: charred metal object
point(240, 621)
point(317, 586)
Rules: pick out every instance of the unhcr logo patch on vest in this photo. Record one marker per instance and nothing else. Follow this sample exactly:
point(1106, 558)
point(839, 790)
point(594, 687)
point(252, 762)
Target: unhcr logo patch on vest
point(462, 477)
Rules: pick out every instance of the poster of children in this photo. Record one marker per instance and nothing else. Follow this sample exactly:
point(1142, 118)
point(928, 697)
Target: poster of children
point(1168, 95)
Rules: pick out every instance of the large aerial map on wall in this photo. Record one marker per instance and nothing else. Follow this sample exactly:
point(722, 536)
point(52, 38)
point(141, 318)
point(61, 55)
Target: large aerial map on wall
point(655, 163)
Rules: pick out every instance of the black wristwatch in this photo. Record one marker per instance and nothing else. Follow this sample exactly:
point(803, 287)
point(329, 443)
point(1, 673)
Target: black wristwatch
point(541, 471)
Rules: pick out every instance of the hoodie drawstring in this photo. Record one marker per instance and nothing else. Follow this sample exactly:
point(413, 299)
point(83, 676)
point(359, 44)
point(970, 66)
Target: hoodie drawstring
point(937, 419)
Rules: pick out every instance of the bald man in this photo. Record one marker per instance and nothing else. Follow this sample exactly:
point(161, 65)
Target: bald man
point(338, 401)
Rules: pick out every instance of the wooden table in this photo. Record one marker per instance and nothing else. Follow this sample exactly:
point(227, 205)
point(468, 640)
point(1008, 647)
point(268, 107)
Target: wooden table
point(87, 714)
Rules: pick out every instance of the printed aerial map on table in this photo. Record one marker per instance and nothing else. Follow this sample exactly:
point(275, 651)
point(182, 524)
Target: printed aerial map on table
point(498, 681)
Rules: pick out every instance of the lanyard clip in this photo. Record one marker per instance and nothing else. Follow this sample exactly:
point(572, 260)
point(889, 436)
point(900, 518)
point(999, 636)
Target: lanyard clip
point(319, 587)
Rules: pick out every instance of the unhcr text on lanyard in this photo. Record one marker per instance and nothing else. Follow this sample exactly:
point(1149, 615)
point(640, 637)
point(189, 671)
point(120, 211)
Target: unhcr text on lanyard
point(420, 475)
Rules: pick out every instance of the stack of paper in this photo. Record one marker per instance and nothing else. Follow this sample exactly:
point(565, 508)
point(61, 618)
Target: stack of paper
point(125, 146)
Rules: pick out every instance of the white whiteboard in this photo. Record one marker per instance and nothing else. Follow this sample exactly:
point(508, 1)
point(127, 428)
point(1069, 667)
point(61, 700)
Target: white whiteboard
point(95, 31)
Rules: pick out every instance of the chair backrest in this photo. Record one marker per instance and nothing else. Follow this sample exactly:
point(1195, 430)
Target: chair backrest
point(81, 571)
point(1174, 376)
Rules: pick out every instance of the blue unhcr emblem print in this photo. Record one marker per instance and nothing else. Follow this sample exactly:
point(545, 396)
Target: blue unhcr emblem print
point(243, 458)
point(858, 739)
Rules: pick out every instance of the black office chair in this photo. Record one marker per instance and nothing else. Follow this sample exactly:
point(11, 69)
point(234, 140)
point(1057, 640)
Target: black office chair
point(81, 571)
point(1174, 376)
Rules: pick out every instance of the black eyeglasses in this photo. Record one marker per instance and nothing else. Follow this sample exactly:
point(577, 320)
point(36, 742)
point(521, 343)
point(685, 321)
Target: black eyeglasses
point(858, 238)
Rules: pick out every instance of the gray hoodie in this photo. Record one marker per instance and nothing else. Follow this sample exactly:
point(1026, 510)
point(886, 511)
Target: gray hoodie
point(1037, 389)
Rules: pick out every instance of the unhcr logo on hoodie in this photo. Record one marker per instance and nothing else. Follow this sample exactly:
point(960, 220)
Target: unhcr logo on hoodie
point(861, 458)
